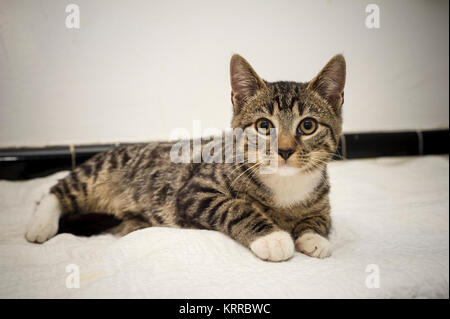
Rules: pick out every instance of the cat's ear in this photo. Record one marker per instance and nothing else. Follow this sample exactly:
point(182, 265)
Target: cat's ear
point(245, 82)
point(330, 82)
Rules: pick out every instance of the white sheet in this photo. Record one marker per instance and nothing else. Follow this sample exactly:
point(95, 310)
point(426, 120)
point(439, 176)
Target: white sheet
point(391, 212)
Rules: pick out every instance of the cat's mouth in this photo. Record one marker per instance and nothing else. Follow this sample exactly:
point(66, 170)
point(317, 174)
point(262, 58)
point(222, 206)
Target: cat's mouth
point(287, 170)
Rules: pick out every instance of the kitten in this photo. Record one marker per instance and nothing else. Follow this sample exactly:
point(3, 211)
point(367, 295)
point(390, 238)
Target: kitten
point(272, 214)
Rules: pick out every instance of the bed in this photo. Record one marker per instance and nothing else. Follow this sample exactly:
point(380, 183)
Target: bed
point(390, 239)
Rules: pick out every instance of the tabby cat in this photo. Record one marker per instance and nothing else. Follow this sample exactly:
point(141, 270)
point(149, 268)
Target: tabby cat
point(272, 214)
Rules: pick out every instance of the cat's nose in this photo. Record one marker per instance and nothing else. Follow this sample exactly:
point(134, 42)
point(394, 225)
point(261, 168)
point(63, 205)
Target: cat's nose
point(285, 153)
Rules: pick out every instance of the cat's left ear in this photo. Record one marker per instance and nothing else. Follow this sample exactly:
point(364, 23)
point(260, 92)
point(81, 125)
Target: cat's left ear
point(330, 82)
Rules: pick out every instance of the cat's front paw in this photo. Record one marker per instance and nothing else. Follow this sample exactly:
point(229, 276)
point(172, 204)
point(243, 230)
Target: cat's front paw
point(276, 246)
point(313, 245)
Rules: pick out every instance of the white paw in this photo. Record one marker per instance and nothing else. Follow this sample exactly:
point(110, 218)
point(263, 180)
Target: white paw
point(313, 245)
point(44, 224)
point(276, 246)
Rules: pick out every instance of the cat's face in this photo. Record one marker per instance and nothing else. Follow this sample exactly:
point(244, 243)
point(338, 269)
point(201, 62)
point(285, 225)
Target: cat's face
point(307, 117)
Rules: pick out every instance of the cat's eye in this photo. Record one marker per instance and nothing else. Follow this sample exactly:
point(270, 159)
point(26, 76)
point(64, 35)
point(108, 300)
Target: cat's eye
point(263, 126)
point(307, 126)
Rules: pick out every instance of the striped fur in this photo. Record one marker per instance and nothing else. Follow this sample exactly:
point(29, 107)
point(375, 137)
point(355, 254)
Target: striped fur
point(140, 185)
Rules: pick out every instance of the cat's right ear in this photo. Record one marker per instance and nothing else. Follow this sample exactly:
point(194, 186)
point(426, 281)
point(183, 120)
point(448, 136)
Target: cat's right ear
point(245, 82)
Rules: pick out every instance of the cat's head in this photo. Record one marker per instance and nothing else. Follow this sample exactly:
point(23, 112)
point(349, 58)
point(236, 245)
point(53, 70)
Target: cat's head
point(307, 117)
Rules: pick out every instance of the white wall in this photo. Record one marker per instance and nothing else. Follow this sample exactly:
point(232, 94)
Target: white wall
point(137, 69)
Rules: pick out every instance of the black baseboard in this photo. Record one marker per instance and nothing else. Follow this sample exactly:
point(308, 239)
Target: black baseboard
point(25, 163)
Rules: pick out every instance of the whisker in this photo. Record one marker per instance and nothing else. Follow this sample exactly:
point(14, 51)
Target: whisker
point(329, 153)
point(243, 173)
point(252, 172)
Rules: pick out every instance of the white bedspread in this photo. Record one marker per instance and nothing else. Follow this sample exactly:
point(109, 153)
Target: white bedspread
point(391, 212)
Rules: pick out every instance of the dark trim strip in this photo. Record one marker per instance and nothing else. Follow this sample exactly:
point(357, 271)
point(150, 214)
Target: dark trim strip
point(25, 163)
point(366, 145)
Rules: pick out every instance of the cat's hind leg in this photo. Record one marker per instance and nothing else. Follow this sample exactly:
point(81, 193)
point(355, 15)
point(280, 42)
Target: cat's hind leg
point(95, 187)
point(44, 223)
point(68, 195)
point(128, 225)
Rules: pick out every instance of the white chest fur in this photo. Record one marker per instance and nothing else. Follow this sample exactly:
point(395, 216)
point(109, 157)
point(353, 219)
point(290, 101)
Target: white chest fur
point(291, 189)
